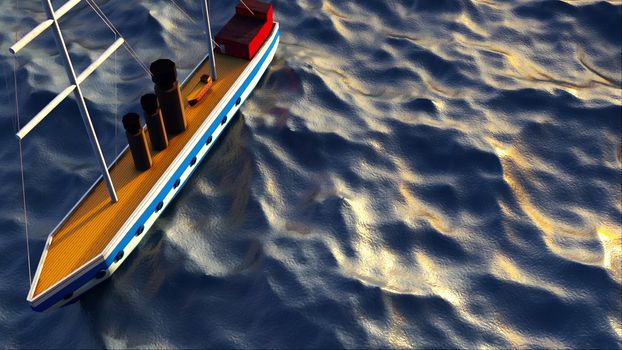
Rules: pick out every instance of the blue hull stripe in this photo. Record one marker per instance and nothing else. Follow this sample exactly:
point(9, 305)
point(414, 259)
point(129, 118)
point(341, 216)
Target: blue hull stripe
point(75, 285)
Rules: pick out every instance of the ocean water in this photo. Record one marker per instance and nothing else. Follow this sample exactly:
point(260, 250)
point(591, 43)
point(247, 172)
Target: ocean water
point(423, 173)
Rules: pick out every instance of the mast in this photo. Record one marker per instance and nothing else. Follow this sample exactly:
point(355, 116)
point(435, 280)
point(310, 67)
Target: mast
point(209, 40)
point(84, 111)
point(75, 81)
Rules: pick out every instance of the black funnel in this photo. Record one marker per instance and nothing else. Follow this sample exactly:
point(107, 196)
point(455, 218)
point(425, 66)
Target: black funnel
point(169, 95)
point(155, 123)
point(131, 123)
point(149, 102)
point(164, 73)
point(137, 141)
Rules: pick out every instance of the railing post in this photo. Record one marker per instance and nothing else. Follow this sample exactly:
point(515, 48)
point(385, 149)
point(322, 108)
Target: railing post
point(209, 40)
point(86, 118)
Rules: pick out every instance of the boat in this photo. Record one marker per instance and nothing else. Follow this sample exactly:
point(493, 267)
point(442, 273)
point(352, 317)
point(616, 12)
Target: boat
point(92, 241)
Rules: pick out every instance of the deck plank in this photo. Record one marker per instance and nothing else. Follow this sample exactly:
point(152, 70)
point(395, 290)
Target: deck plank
point(94, 223)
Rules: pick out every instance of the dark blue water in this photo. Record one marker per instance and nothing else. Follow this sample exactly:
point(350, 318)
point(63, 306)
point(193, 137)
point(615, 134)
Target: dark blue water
point(407, 174)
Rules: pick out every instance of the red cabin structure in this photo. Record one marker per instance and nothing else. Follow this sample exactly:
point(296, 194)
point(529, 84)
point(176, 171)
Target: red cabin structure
point(246, 31)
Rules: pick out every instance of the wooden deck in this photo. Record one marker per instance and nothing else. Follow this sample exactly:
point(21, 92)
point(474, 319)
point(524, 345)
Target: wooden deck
point(94, 223)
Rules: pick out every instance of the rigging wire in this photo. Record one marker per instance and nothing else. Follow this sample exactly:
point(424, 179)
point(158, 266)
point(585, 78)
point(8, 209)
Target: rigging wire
point(8, 95)
point(214, 41)
point(21, 165)
point(111, 26)
point(21, 156)
point(182, 11)
point(248, 8)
